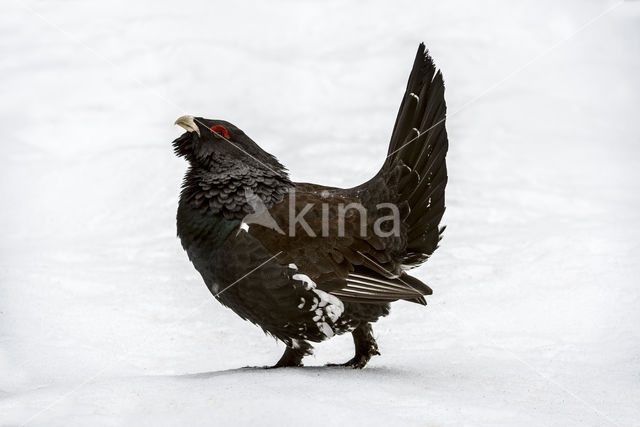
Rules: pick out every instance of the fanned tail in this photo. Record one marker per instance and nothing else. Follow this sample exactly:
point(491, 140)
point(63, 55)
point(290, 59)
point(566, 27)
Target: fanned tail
point(414, 177)
point(419, 141)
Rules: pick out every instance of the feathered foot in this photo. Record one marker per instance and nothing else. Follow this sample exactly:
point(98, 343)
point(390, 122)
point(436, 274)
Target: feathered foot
point(293, 354)
point(366, 347)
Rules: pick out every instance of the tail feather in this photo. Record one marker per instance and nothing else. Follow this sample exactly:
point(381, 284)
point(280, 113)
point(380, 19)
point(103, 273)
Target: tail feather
point(414, 176)
point(419, 141)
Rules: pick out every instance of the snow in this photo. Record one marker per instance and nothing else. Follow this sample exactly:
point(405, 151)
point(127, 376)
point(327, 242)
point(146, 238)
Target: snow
point(534, 318)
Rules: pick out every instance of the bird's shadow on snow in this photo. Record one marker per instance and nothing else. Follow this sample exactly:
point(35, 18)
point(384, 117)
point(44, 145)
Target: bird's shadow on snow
point(304, 370)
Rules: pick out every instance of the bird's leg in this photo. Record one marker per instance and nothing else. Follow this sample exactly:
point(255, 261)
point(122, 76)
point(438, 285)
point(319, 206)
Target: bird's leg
point(294, 353)
point(366, 346)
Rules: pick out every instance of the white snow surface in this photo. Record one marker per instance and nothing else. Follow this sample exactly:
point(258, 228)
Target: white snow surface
point(535, 314)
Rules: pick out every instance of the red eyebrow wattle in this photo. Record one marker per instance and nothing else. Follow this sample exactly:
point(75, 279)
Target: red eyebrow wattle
point(221, 129)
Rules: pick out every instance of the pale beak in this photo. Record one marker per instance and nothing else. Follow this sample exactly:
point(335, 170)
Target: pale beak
point(188, 123)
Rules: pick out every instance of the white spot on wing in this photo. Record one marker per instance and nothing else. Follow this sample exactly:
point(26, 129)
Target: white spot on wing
point(333, 307)
point(326, 308)
point(308, 283)
point(326, 329)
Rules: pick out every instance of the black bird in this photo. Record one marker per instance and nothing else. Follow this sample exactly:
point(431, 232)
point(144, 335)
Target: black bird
point(304, 261)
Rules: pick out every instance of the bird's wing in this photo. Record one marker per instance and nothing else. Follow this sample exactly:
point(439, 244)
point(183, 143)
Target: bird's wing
point(349, 261)
point(413, 178)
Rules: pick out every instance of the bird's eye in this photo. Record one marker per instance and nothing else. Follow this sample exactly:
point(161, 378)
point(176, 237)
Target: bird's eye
point(221, 130)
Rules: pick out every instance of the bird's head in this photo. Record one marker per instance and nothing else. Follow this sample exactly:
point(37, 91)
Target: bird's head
point(217, 144)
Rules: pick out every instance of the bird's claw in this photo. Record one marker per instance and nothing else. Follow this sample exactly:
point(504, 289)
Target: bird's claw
point(358, 362)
